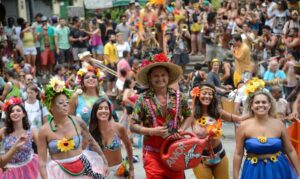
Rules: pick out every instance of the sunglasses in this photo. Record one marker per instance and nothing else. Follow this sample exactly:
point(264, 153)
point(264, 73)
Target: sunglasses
point(92, 76)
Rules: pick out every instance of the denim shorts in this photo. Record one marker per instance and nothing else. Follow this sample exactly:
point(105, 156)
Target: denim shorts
point(98, 49)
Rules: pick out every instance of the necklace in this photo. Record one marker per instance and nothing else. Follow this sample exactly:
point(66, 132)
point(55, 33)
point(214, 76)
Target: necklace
point(50, 119)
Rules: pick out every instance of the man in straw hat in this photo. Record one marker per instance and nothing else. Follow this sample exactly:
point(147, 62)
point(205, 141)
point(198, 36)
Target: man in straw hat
point(159, 112)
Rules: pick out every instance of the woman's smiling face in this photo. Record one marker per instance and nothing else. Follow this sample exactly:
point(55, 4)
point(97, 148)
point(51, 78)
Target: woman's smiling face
point(103, 112)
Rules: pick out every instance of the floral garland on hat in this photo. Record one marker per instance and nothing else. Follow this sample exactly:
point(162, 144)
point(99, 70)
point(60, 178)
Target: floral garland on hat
point(11, 101)
point(157, 58)
point(254, 85)
point(82, 71)
point(55, 87)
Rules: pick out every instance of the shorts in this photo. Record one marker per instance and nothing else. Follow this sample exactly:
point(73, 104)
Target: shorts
point(98, 49)
point(155, 168)
point(47, 57)
point(76, 51)
point(109, 76)
point(30, 51)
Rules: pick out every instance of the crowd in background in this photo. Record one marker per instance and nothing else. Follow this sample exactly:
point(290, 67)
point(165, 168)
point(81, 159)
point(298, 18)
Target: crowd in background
point(232, 42)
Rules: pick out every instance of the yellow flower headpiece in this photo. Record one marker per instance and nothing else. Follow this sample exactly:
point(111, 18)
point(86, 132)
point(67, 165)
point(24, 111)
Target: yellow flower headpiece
point(54, 87)
point(254, 85)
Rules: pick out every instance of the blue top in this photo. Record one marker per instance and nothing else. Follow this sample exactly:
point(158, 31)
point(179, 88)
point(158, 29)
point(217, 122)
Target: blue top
point(253, 146)
point(52, 145)
point(277, 166)
point(83, 109)
point(24, 153)
point(114, 145)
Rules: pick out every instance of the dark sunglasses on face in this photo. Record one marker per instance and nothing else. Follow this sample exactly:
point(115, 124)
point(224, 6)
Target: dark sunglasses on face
point(92, 76)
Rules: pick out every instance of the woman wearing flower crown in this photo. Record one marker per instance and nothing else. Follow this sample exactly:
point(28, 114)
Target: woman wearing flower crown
point(109, 136)
point(270, 153)
point(207, 124)
point(158, 113)
point(17, 140)
point(81, 104)
point(66, 137)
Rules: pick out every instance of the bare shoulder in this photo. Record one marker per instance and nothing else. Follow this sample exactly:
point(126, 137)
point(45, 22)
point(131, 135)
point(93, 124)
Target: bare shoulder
point(277, 123)
point(119, 128)
point(80, 122)
point(246, 123)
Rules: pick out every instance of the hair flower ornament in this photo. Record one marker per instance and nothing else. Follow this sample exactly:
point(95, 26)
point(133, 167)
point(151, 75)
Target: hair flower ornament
point(11, 101)
point(81, 72)
point(254, 85)
point(55, 87)
point(195, 92)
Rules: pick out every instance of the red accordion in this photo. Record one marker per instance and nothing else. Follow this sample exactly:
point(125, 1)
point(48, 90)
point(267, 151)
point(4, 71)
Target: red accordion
point(183, 153)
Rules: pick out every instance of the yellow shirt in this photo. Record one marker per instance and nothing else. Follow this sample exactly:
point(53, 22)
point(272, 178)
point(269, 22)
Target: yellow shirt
point(243, 60)
point(28, 40)
point(111, 51)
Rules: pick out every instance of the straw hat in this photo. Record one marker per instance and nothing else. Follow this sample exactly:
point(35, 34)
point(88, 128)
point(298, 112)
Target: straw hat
point(160, 60)
point(84, 54)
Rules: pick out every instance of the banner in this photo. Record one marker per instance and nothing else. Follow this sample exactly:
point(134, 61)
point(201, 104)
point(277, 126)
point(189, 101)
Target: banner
point(102, 4)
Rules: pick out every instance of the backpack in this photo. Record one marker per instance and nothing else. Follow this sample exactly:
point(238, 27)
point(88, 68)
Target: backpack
point(196, 80)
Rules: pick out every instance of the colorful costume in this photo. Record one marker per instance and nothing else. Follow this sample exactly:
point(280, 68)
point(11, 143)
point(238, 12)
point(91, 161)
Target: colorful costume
point(274, 164)
point(84, 107)
point(86, 165)
point(215, 162)
point(149, 112)
point(24, 164)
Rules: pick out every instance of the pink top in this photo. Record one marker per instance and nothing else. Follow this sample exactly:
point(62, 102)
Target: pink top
point(123, 64)
point(96, 40)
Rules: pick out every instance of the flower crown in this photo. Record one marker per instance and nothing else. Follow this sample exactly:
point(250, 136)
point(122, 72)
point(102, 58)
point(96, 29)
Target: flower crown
point(82, 71)
point(254, 85)
point(196, 90)
point(157, 58)
point(11, 101)
point(54, 87)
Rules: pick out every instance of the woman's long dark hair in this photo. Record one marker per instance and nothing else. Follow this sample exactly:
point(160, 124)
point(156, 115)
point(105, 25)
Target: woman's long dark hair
point(93, 127)
point(127, 84)
point(212, 109)
point(9, 123)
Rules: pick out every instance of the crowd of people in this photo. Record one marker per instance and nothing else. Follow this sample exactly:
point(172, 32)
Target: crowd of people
point(62, 80)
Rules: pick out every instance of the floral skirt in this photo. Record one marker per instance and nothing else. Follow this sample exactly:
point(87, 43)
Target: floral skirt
point(54, 171)
point(28, 170)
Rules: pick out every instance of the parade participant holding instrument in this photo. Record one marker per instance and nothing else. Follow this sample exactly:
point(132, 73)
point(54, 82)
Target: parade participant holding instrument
point(109, 136)
point(158, 113)
point(207, 123)
point(66, 137)
point(269, 150)
point(19, 160)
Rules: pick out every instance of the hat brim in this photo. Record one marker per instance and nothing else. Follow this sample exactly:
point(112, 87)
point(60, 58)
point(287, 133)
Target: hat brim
point(174, 70)
point(87, 55)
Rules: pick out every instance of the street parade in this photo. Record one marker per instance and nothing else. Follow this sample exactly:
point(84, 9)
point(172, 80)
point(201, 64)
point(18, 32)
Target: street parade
point(150, 89)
